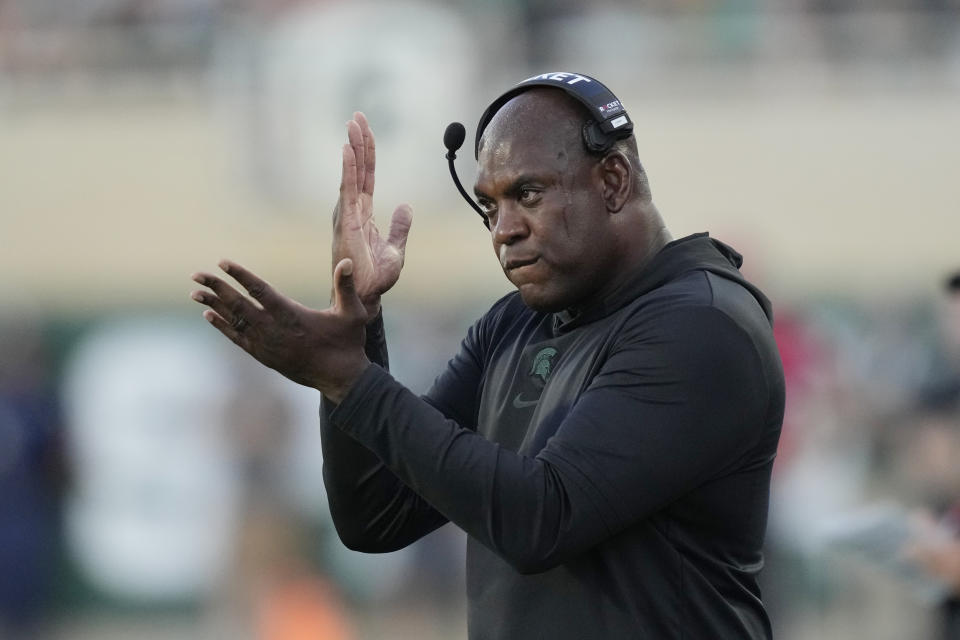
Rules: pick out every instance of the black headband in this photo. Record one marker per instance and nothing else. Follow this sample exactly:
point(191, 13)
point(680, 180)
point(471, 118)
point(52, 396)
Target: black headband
point(609, 122)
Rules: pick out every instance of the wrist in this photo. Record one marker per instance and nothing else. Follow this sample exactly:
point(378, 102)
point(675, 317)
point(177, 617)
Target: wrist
point(336, 390)
point(372, 306)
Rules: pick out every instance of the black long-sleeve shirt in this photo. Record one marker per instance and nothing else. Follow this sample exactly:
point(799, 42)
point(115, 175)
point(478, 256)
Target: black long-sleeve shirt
point(611, 467)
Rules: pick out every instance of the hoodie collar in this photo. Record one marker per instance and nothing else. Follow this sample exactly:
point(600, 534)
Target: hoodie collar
point(697, 252)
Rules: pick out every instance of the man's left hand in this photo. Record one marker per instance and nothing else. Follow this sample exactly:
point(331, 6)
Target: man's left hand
point(319, 349)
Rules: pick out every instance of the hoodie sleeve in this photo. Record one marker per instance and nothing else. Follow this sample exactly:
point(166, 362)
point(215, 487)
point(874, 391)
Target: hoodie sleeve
point(372, 510)
point(677, 403)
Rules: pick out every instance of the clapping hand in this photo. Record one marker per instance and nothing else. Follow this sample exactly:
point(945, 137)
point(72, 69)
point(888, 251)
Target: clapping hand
point(320, 349)
point(377, 260)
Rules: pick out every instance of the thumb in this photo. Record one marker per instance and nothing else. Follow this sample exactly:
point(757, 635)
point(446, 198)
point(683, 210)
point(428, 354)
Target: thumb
point(345, 296)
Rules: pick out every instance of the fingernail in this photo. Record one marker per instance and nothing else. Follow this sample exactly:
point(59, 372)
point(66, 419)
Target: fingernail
point(223, 264)
point(196, 295)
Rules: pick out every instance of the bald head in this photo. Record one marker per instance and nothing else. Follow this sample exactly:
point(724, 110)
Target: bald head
point(545, 115)
point(538, 114)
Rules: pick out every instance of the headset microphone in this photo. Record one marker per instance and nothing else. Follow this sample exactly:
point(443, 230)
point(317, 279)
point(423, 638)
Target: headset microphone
point(453, 139)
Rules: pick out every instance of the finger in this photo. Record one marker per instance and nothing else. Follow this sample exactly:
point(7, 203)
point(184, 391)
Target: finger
point(211, 300)
point(348, 181)
point(259, 289)
point(232, 304)
point(370, 153)
point(355, 136)
point(345, 291)
point(400, 227)
point(226, 329)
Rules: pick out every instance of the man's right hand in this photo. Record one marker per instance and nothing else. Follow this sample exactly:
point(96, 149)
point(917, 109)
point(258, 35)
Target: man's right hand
point(377, 261)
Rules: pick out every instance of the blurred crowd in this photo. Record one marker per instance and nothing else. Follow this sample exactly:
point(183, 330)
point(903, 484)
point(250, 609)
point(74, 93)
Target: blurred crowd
point(866, 486)
point(48, 36)
point(153, 477)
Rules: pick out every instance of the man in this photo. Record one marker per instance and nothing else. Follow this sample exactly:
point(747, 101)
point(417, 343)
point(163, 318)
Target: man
point(605, 434)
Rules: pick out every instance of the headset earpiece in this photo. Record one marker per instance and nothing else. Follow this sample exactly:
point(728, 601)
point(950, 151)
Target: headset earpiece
point(595, 140)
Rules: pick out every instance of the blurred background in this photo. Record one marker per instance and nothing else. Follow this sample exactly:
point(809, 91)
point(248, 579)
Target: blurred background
point(155, 483)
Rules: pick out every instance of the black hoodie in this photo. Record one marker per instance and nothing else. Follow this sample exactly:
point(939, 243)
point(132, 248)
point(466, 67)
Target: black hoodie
point(611, 466)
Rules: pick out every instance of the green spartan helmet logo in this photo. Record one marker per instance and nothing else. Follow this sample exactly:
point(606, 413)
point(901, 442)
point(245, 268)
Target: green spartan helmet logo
point(542, 363)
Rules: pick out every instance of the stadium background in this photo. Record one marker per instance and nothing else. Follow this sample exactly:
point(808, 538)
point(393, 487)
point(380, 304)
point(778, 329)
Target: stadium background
point(156, 484)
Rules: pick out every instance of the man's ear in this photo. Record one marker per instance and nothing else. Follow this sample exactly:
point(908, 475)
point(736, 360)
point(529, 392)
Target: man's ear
point(616, 175)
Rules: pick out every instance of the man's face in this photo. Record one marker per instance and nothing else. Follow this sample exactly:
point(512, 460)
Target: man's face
point(548, 221)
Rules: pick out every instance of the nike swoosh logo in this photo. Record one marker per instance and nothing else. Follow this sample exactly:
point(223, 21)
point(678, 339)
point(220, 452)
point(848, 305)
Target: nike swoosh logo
point(520, 403)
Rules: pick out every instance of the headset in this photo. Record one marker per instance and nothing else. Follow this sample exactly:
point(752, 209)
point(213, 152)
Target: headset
point(608, 121)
